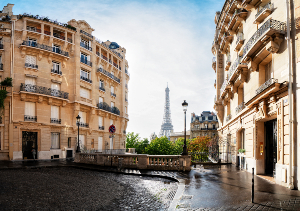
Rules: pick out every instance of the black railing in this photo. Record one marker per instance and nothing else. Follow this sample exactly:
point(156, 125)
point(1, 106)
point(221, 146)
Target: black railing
point(70, 40)
point(34, 66)
point(106, 107)
point(1, 46)
point(57, 35)
point(85, 61)
point(101, 70)
point(44, 90)
point(124, 131)
point(266, 85)
point(101, 127)
point(56, 71)
point(82, 124)
point(45, 47)
point(85, 33)
point(239, 108)
point(47, 32)
point(82, 44)
point(30, 118)
point(55, 121)
point(86, 79)
point(113, 94)
point(264, 8)
point(104, 57)
point(102, 88)
point(1, 66)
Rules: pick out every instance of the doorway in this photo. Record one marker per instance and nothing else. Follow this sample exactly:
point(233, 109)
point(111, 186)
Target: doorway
point(270, 147)
point(29, 145)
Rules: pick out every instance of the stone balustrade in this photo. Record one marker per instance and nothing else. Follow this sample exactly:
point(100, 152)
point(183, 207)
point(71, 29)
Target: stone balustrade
point(137, 161)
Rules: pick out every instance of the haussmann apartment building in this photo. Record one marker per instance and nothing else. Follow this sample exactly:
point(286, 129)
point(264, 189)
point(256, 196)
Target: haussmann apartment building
point(256, 60)
point(59, 71)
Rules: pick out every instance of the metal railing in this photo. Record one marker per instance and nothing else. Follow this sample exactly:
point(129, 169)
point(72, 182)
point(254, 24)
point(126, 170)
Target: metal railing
point(47, 33)
point(33, 29)
point(115, 64)
point(87, 34)
point(102, 88)
point(57, 35)
point(106, 107)
point(101, 70)
point(82, 44)
point(269, 6)
point(234, 66)
point(45, 47)
point(239, 37)
point(30, 118)
point(1, 46)
point(55, 121)
point(44, 90)
point(104, 57)
point(56, 71)
point(266, 85)
point(113, 94)
point(70, 40)
point(101, 127)
point(1, 66)
point(223, 86)
point(85, 61)
point(86, 79)
point(228, 117)
point(239, 108)
point(34, 66)
point(82, 124)
point(269, 24)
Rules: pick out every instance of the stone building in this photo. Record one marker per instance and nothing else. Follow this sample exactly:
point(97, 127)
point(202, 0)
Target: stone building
point(176, 135)
point(254, 57)
point(59, 71)
point(204, 125)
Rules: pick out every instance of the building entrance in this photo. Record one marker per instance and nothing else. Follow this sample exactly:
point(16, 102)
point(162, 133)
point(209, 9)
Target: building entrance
point(29, 145)
point(270, 147)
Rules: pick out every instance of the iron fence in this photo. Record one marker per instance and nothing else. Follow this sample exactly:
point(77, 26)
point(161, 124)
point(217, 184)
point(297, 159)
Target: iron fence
point(44, 90)
point(44, 47)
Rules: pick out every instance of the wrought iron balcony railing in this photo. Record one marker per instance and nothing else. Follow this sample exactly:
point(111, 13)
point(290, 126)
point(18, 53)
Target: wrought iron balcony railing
point(70, 40)
point(102, 88)
point(47, 33)
point(269, 24)
point(45, 47)
point(1, 46)
point(56, 71)
point(228, 117)
point(57, 35)
point(101, 127)
point(86, 79)
point(30, 118)
point(264, 86)
point(1, 66)
point(239, 37)
point(234, 66)
point(82, 44)
point(34, 66)
point(85, 61)
point(87, 34)
point(113, 94)
point(104, 57)
point(239, 108)
point(269, 6)
point(55, 121)
point(223, 86)
point(106, 107)
point(44, 90)
point(82, 124)
point(101, 70)
point(115, 65)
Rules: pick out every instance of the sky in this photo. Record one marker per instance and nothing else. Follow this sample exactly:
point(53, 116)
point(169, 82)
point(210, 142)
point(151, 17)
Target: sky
point(167, 42)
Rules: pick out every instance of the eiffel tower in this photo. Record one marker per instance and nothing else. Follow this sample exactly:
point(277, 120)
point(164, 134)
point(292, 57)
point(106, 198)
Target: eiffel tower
point(166, 127)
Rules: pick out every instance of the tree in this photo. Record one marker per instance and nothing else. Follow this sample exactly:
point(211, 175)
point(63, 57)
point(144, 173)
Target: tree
point(198, 148)
point(134, 141)
point(160, 146)
point(178, 145)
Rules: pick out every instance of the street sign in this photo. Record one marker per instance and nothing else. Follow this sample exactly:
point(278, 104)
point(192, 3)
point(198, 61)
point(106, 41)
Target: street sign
point(112, 129)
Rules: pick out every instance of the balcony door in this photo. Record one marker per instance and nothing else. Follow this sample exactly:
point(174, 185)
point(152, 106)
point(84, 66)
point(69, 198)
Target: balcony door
point(29, 145)
point(270, 146)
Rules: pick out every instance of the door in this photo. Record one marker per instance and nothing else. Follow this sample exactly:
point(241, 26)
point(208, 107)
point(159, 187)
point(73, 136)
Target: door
point(29, 145)
point(271, 147)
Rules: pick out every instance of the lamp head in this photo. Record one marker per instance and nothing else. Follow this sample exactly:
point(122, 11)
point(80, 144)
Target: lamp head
point(184, 105)
point(78, 118)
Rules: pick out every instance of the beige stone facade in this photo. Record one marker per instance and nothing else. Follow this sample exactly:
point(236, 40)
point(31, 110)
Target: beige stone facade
point(60, 71)
point(252, 78)
point(176, 135)
point(204, 125)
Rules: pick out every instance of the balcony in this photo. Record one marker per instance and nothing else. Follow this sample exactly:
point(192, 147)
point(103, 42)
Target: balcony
point(263, 12)
point(56, 71)
point(228, 117)
point(115, 65)
point(239, 108)
point(223, 87)
point(214, 63)
point(45, 47)
point(86, 79)
point(44, 90)
point(226, 40)
point(249, 4)
point(33, 29)
point(82, 124)
point(238, 16)
point(1, 66)
point(270, 27)
point(55, 121)
point(104, 57)
point(101, 127)
point(104, 106)
point(126, 71)
point(28, 118)
point(59, 36)
point(113, 94)
point(126, 100)
point(101, 70)
point(85, 61)
point(101, 88)
point(86, 34)
point(196, 129)
point(82, 44)
point(267, 84)
point(239, 41)
point(33, 66)
point(1, 46)
point(70, 40)
point(234, 68)
point(47, 33)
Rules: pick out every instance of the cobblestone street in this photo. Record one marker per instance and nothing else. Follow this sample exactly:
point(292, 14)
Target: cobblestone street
point(67, 188)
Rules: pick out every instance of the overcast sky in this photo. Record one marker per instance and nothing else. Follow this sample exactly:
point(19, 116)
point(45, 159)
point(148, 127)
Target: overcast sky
point(166, 42)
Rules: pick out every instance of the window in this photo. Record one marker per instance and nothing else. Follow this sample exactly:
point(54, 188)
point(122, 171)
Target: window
point(111, 122)
point(84, 74)
point(206, 126)
point(83, 116)
point(100, 120)
point(30, 61)
point(112, 104)
point(56, 66)
point(101, 83)
point(82, 142)
point(125, 110)
point(69, 142)
point(29, 109)
point(56, 48)
point(268, 71)
point(55, 86)
point(100, 141)
point(55, 114)
point(100, 99)
point(112, 89)
point(31, 42)
point(55, 141)
point(30, 80)
point(84, 58)
point(214, 126)
point(85, 93)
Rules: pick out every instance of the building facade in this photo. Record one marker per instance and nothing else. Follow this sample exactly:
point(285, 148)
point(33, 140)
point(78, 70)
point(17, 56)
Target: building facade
point(254, 58)
point(59, 71)
point(176, 135)
point(204, 125)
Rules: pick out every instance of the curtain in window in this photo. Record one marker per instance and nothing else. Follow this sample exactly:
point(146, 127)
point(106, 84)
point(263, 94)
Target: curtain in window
point(100, 141)
point(83, 116)
point(84, 93)
point(100, 119)
point(29, 108)
point(55, 86)
point(100, 100)
point(30, 59)
point(54, 112)
point(55, 141)
point(29, 80)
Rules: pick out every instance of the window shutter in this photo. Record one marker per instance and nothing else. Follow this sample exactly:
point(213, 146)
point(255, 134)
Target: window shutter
point(84, 93)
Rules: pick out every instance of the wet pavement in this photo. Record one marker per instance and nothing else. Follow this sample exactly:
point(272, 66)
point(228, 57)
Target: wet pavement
point(211, 188)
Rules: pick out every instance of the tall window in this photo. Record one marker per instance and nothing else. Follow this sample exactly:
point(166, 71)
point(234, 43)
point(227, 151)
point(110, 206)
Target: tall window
point(83, 116)
point(30, 61)
point(100, 141)
point(56, 48)
point(84, 74)
point(100, 99)
point(101, 84)
point(85, 93)
point(84, 58)
point(111, 122)
point(55, 114)
point(112, 104)
point(268, 71)
point(29, 109)
point(31, 42)
point(112, 89)
point(56, 67)
point(82, 142)
point(55, 141)
point(100, 121)
point(30, 80)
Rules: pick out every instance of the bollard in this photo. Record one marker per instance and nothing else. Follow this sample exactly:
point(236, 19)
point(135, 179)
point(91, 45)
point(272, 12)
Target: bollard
point(252, 192)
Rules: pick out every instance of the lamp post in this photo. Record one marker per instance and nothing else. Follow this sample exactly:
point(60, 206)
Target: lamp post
point(78, 121)
point(184, 105)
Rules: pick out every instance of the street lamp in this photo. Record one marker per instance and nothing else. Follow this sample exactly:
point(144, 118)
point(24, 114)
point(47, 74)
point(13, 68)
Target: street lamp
point(184, 105)
point(78, 123)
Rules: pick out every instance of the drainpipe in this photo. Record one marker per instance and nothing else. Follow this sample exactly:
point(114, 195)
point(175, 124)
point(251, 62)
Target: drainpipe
point(291, 182)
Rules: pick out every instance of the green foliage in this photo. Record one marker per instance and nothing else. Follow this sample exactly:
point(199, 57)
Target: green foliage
point(160, 146)
point(198, 148)
point(242, 150)
point(3, 94)
point(134, 141)
point(6, 82)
